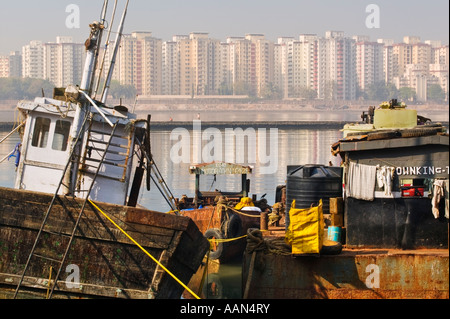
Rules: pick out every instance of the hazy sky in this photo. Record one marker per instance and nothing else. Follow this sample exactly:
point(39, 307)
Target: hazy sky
point(24, 20)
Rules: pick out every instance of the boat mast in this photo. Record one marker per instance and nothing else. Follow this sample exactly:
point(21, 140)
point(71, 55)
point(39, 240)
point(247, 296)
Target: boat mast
point(113, 60)
point(92, 44)
point(105, 49)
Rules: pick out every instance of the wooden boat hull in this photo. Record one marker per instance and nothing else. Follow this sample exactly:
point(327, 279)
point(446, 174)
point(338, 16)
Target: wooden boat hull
point(109, 264)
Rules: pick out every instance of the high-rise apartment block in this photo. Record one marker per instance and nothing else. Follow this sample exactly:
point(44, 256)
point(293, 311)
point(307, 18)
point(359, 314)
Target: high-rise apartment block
point(369, 63)
point(336, 67)
point(60, 62)
point(139, 63)
point(33, 60)
point(11, 65)
point(63, 61)
point(332, 66)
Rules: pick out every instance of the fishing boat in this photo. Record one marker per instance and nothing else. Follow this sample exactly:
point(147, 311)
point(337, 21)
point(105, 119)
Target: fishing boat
point(392, 219)
point(72, 226)
point(223, 216)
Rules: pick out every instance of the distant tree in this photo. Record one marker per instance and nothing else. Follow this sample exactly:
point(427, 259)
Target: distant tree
point(117, 90)
point(435, 93)
point(243, 88)
point(360, 94)
point(380, 91)
point(407, 94)
point(225, 89)
point(18, 88)
point(304, 92)
point(330, 90)
point(270, 92)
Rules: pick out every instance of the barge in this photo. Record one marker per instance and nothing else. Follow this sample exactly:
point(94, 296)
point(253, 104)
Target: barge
point(72, 226)
point(223, 216)
point(392, 218)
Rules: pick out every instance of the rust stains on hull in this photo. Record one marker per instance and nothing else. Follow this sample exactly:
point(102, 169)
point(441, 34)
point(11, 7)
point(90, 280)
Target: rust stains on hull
point(354, 274)
point(110, 265)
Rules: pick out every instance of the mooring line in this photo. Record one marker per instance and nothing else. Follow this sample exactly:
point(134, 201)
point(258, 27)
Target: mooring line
point(146, 252)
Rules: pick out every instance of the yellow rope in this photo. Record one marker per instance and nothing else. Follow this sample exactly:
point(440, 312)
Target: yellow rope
point(146, 252)
point(226, 240)
point(237, 211)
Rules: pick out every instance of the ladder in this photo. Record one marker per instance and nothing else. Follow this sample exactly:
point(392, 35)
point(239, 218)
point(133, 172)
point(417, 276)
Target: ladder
point(122, 153)
point(42, 231)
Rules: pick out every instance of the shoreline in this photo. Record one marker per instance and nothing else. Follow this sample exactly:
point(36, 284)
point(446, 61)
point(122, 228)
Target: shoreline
point(245, 124)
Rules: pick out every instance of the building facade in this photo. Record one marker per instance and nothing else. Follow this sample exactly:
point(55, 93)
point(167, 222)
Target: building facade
point(332, 67)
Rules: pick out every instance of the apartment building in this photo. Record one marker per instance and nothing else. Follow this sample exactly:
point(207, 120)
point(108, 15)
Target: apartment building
point(60, 62)
point(63, 61)
point(15, 64)
point(369, 63)
point(252, 63)
point(261, 57)
point(440, 55)
point(333, 66)
point(226, 69)
point(170, 68)
point(139, 63)
point(33, 60)
point(199, 64)
point(4, 66)
point(336, 67)
point(11, 65)
point(294, 66)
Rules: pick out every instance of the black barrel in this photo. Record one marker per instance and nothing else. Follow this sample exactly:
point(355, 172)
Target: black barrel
point(308, 184)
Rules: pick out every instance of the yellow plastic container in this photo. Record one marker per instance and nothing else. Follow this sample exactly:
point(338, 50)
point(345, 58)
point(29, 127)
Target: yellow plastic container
point(395, 118)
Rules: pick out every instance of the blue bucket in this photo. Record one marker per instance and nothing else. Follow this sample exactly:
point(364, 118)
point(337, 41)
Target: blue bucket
point(334, 233)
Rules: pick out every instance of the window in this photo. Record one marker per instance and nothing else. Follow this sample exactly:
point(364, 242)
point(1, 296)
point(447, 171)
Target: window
point(40, 133)
point(61, 137)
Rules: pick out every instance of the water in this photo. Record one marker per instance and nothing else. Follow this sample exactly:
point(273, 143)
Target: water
point(295, 147)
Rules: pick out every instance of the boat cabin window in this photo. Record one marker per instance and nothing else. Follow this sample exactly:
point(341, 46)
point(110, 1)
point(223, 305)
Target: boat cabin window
point(40, 133)
point(61, 136)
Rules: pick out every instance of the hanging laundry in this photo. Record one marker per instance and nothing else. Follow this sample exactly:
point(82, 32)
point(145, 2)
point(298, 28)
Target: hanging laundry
point(361, 181)
point(385, 178)
point(16, 154)
point(440, 190)
point(446, 190)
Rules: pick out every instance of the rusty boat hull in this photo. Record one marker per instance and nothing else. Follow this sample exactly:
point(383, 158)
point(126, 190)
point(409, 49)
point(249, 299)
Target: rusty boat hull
point(109, 264)
point(353, 274)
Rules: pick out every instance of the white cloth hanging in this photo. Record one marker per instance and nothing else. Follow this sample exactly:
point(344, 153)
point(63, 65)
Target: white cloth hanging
point(440, 190)
point(361, 181)
point(385, 177)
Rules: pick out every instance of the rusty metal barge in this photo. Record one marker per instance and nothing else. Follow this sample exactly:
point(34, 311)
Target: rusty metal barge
point(392, 219)
point(72, 226)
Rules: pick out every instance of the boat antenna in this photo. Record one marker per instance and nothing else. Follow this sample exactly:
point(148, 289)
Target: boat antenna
point(97, 52)
point(106, 49)
point(113, 60)
point(92, 44)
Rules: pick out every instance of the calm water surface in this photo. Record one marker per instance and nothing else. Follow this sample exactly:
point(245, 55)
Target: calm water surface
point(295, 147)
